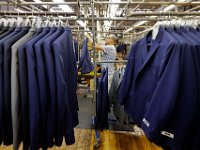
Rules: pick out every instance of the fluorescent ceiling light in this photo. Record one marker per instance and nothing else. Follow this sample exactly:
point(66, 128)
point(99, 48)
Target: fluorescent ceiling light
point(112, 10)
point(65, 8)
point(39, 1)
point(81, 23)
point(168, 8)
point(19, 10)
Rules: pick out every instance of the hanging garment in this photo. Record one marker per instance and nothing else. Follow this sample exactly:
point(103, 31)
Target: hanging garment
point(38, 78)
point(118, 110)
point(158, 88)
point(34, 112)
point(105, 101)
point(4, 30)
point(85, 64)
point(103, 104)
point(64, 46)
point(52, 124)
point(42, 85)
point(15, 91)
point(7, 79)
point(99, 101)
point(76, 49)
point(23, 84)
point(3, 38)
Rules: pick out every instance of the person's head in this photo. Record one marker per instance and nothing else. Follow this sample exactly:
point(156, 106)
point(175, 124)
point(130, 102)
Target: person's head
point(111, 40)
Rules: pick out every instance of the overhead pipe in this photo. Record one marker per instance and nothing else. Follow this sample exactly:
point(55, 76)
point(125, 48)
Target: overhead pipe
point(107, 2)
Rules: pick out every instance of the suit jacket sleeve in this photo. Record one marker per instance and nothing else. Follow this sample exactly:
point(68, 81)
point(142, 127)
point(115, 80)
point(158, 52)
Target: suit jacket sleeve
point(128, 77)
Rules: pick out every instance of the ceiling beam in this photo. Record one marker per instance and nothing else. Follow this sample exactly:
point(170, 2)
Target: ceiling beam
point(107, 2)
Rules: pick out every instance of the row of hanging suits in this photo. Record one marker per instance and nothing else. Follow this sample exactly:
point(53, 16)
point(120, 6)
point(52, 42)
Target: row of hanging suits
point(160, 87)
point(38, 102)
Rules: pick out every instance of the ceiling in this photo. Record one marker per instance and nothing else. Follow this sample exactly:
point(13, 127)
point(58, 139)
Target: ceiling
point(112, 11)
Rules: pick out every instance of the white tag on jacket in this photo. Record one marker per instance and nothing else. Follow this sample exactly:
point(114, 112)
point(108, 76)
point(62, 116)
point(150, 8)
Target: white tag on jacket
point(167, 134)
point(146, 122)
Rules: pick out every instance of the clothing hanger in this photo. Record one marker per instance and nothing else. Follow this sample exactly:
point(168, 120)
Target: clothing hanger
point(67, 23)
point(38, 22)
point(60, 23)
point(54, 23)
point(46, 22)
point(178, 23)
point(11, 21)
point(33, 22)
point(156, 28)
point(194, 23)
point(19, 20)
point(4, 21)
point(27, 21)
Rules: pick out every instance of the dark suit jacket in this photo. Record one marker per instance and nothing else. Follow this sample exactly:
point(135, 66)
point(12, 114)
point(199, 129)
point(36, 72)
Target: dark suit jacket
point(42, 85)
point(105, 101)
point(23, 88)
point(34, 111)
point(99, 106)
point(66, 72)
point(7, 81)
point(51, 86)
point(85, 63)
point(170, 99)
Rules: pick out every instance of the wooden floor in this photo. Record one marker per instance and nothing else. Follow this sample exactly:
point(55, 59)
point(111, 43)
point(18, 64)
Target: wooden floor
point(85, 139)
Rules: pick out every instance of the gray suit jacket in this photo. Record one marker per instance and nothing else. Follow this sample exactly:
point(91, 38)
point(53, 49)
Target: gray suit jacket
point(15, 97)
point(118, 110)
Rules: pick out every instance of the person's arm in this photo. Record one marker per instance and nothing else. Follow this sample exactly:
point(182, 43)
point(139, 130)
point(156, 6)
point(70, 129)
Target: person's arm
point(97, 46)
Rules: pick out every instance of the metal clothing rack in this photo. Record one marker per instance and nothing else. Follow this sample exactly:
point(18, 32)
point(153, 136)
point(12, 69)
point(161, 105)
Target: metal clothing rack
point(135, 16)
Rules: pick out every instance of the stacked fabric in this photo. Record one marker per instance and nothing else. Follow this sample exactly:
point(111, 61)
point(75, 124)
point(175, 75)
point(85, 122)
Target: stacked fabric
point(160, 87)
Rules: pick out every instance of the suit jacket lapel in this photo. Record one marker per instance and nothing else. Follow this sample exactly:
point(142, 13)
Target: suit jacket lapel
point(152, 50)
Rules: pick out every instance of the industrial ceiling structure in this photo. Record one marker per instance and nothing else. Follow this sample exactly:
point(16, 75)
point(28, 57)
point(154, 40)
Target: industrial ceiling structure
point(125, 18)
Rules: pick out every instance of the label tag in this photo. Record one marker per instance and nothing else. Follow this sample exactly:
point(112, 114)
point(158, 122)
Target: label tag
point(146, 122)
point(167, 134)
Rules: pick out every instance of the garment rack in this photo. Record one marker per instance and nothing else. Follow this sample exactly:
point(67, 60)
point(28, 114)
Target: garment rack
point(136, 16)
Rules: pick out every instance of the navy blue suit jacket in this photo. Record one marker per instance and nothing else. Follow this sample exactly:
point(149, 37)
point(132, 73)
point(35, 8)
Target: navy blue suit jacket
point(3, 38)
point(99, 101)
point(65, 62)
point(2, 80)
point(24, 97)
point(144, 68)
point(7, 81)
point(52, 123)
point(105, 101)
point(70, 70)
point(76, 49)
point(42, 84)
point(34, 112)
point(187, 98)
point(131, 92)
point(4, 30)
point(85, 63)
point(171, 97)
